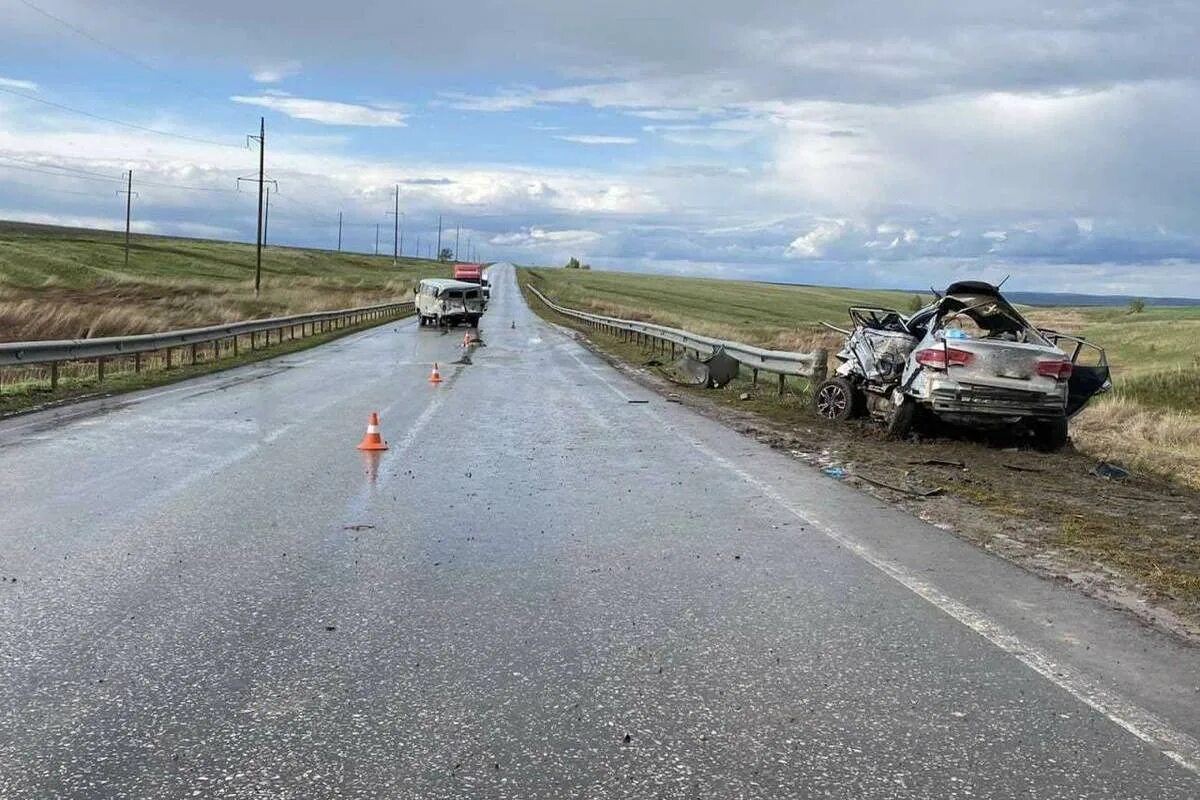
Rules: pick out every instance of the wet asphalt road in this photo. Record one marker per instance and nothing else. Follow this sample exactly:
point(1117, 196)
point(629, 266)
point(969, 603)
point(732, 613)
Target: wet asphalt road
point(541, 590)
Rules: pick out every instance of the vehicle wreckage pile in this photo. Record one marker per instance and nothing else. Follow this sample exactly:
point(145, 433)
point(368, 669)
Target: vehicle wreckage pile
point(968, 359)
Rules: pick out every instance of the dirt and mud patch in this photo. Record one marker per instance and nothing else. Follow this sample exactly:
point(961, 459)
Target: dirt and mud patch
point(1133, 543)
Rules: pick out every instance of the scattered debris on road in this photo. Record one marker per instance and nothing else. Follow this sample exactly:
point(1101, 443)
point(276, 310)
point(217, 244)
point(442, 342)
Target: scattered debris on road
point(838, 473)
point(937, 462)
point(914, 492)
point(1110, 472)
point(1020, 468)
point(362, 526)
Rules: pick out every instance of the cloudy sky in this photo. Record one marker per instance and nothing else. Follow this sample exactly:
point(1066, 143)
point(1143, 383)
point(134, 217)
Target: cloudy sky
point(854, 143)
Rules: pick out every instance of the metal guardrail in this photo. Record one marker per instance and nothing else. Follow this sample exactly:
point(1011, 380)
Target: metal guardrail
point(812, 366)
point(55, 352)
point(44, 352)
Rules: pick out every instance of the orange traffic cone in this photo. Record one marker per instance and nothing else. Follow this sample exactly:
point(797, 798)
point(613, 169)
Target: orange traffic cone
point(371, 439)
point(435, 376)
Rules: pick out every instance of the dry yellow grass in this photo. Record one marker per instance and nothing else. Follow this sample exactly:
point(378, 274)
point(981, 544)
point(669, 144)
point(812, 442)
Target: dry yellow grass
point(59, 283)
point(1151, 440)
point(123, 309)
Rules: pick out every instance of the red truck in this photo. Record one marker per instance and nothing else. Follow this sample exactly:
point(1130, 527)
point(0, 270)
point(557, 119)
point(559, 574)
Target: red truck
point(470, 273)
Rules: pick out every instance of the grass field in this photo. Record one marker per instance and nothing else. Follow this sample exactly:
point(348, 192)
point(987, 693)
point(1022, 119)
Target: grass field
point(1151, 421)
point(61, 283)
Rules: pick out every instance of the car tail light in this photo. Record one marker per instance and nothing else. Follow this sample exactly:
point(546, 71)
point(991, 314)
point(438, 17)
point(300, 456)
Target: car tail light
point(942, 357)
point(1059, 370)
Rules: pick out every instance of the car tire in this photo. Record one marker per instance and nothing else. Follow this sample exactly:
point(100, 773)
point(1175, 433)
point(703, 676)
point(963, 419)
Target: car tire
point(835, 399)
point(900, 421)
point(1050, 435)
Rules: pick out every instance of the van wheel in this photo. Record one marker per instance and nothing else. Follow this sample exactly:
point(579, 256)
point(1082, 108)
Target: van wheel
point(900, 421)
point(1050, 435)
point(835, 398)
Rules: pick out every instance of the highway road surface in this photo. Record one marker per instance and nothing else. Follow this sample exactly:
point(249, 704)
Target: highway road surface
point(554, 584)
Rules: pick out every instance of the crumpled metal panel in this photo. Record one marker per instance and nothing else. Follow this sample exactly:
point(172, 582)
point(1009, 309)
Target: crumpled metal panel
point(712, 372)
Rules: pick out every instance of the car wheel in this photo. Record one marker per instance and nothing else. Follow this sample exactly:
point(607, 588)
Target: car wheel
point(1050, 435)
point(835, 399)
point(900, 421)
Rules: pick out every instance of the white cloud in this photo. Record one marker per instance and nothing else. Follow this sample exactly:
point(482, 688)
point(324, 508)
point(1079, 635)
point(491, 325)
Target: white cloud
point(540, 237)
point(587, 138)
point(14, 83)
point(816, 242)
point(274, 73)
point(701, 135)
point(327, 112)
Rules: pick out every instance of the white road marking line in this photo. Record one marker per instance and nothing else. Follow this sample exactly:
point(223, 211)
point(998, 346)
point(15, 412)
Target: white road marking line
point(1180, 747)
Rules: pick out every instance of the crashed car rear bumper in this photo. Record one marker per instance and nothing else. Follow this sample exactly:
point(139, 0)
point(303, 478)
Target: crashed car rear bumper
point(965, 398)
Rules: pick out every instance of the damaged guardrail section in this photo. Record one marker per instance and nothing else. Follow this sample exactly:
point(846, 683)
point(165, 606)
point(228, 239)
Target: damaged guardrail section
point(227, 337)
point(812, 366)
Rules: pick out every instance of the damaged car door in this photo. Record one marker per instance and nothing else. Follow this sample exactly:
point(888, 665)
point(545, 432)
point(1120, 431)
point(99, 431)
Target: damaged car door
point(1090, 375)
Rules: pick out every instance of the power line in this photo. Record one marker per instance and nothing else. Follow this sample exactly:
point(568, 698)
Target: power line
point(62, 191)
point(73, 172)
point(112, 48)
point(61, 175)
point(110, 120)
point(44, 165)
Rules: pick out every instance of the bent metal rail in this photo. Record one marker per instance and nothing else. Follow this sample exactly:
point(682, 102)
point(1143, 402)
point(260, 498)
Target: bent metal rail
point(778, 362)
point(18, 354)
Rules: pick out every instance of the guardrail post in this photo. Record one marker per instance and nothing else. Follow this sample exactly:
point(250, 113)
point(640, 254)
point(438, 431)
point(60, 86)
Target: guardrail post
point(100, 370)
point(781, 380)
point(754, 379)
point(53, 375)
point(168, 358)
point(235, 345)
point(820, 365)
point(137, 362)
point(193, 354)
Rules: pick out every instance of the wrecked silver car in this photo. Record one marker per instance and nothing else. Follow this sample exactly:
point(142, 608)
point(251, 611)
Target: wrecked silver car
point(969, 359)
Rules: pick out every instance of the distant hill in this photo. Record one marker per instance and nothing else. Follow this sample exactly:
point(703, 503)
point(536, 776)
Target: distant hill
point(1073, 299)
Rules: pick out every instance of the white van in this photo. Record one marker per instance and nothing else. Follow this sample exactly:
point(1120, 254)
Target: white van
point(441, 302)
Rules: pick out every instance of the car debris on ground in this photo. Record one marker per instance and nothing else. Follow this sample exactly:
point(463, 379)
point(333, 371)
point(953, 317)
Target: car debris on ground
point(968, 359)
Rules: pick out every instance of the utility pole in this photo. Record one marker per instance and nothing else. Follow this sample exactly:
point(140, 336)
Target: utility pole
point(457, 233)
point(439, 247)
point(262, 182)
point(128, 212)
point(339, 231)
point(376, 238)
point(469, 257)
point(267, 216)
point(397, 236)
point(418, 245)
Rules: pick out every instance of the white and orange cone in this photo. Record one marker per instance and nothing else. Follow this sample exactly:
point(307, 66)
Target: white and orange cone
point(435, 376)
point(372, 440)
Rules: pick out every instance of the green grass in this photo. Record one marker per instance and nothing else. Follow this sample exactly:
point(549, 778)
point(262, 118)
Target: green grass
point(72, 283)
point(36, 256)
point(757, 313)
point(1160, 339)
point(1175, 390)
